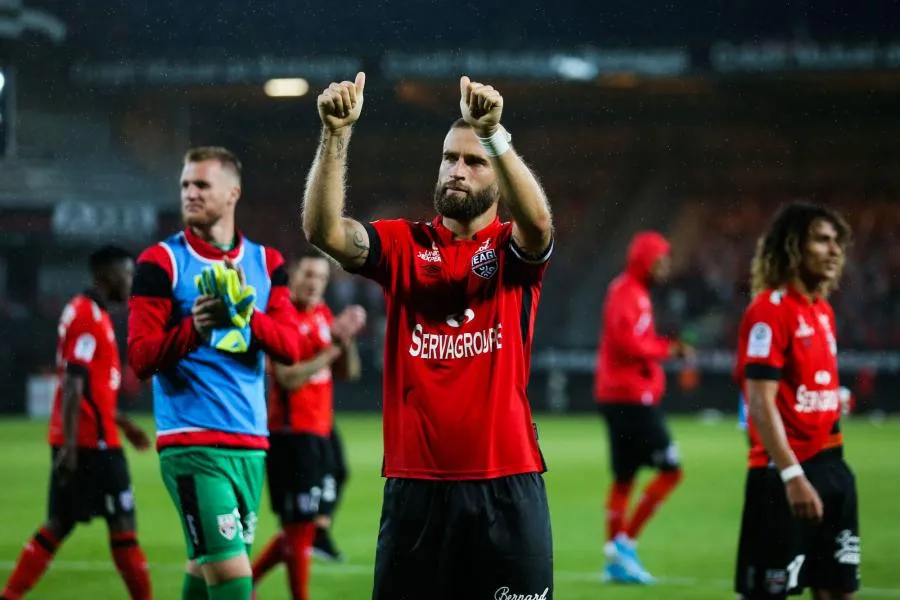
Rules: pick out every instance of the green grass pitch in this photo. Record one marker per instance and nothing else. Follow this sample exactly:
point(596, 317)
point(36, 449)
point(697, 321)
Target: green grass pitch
point(690, 546)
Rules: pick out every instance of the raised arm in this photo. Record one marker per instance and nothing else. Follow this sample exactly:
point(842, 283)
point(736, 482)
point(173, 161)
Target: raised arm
point(324, 223)
point(481, 107)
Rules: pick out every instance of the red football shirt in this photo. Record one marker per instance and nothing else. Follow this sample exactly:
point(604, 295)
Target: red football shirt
point(87, 346)
point(309, 408)
point(786, 337)
point(460, 316)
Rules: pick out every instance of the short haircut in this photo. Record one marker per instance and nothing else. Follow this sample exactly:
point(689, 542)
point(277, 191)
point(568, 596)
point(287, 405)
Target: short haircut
point(107, 256)
point(226, 157)
point(310, 252)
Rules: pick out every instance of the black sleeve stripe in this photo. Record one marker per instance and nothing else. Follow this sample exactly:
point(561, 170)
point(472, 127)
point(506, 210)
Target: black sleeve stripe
point(280, 276)
point(374, 256)
point(151, 280)
point(836, 428)
point(758, 371)
point(533, 259)
point(77, 370)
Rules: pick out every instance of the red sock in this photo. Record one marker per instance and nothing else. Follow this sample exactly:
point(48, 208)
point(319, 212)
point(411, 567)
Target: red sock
point(616, 505)
point(131, 564)
point(271, 555)
point(297, 549)
point(654, 495)
point(33, 561)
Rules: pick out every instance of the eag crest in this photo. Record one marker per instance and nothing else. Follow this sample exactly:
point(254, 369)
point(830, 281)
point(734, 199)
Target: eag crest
point(484, 262)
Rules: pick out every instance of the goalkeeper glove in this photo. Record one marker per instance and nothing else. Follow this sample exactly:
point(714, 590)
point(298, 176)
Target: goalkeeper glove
point(239, 299)
point(232, 339)
point(224, 283)
point(206, 283)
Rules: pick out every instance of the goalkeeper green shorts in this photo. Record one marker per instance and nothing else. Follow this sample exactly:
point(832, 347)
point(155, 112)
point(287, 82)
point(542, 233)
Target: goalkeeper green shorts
point(217, 493)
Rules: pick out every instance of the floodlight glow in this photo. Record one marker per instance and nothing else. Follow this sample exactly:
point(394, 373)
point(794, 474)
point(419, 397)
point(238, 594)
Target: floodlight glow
point(286, 88)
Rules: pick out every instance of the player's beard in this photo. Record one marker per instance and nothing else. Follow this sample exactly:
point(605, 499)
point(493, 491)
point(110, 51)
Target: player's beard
point(464, 208)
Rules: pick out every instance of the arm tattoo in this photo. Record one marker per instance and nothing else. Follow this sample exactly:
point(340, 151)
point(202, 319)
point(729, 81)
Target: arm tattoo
point(359, 245)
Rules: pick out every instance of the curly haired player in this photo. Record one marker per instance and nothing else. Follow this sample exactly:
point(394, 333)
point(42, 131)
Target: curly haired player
point(800, 526)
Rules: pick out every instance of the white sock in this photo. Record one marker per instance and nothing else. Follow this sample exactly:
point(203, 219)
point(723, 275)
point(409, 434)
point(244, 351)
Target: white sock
point(609, 549)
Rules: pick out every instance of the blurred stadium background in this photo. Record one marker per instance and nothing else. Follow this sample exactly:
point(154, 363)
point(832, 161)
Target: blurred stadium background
point(691, 119)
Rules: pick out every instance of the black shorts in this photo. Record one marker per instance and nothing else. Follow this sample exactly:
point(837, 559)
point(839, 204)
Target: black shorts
point(478, 540)
point(638, 437)
point(100, 487)
point(334, 482)
point(341, 470)
point(299, 470)
point(779, 555)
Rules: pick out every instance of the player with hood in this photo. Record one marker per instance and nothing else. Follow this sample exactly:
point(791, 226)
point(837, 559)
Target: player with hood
point(628, 387)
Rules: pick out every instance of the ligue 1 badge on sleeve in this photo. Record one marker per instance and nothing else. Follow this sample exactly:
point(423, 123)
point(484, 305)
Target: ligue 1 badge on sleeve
point(484, 261)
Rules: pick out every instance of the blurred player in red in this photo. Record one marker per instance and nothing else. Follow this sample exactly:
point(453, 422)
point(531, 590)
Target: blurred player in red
point(300, 466)
point(800, 525)
point(90, 474)
point(629, 385)
point(465, 511)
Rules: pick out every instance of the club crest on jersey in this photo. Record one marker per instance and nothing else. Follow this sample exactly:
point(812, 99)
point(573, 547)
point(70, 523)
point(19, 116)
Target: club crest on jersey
point(484, 261)
point(227, 526)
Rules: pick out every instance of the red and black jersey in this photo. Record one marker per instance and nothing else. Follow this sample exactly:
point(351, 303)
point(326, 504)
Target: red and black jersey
point(460, 317)
point(786, 337)
point(309, 408)
point(87, 348)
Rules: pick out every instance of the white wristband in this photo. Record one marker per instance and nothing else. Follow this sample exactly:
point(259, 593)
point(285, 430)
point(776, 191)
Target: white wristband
point(498, 143)
point(791, 472)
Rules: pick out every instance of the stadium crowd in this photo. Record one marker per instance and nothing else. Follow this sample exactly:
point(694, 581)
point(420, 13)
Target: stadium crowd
point(708, 291)
point(711, 286)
